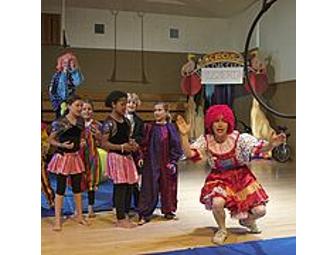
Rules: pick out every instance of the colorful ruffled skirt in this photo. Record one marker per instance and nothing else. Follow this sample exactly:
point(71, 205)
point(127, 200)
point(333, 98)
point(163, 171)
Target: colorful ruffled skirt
point(66, 164)
point(121, 168)
point(238, 187)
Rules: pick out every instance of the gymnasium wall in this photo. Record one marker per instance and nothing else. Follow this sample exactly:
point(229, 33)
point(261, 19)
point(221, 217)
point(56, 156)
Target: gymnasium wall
point(280, 96)
point(278, 39)
point(199, 35)
point(162, 69)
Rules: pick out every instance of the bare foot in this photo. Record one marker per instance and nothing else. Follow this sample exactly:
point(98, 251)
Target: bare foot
point(125, 224)
point(82, 221)
point(91, 215)
point(57, 225)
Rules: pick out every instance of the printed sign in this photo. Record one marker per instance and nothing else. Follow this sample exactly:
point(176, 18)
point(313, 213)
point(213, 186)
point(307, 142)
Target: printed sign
point(222, 75)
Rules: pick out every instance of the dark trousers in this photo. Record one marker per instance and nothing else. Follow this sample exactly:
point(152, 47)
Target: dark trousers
point(164, 185)
point(122, 199)
point(75, 183)
point(136, 194)
point(91, 196)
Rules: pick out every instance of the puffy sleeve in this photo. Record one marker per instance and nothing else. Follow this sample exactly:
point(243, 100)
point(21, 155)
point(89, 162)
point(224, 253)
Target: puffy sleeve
point(198, 146)
point(105, 127)
point(247, 147)
point(199, 143)
point(57, 127)
point(53, 95)
point(77, 77)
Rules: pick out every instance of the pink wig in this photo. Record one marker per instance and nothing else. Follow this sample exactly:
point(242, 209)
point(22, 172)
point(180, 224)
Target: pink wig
point(66, 56)
point(215, 112)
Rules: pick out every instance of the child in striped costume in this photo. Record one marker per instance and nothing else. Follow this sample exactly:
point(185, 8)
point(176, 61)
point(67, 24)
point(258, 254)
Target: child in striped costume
point(90, 155)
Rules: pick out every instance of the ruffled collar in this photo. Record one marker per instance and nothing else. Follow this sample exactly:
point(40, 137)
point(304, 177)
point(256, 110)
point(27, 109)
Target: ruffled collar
point(221, 148)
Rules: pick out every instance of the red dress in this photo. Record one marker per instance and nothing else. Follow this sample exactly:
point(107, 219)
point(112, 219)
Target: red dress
point(230, 177)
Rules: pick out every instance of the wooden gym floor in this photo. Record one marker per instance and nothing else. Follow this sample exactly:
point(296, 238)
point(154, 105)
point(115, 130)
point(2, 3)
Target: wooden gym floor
point(193, 228)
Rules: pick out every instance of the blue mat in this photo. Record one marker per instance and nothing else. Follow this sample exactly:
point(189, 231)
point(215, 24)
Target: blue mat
point(277, 246)
point(103, 201)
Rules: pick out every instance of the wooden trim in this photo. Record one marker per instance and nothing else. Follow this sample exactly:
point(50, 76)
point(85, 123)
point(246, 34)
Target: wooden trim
point(283, 82)
point(100, 96)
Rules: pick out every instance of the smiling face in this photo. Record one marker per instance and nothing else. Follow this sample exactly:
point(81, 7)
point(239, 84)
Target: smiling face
point(120, 106)
point(87, 111)
point(131, 105)
point(160, 114)
point(76, 108)
point(220, 127)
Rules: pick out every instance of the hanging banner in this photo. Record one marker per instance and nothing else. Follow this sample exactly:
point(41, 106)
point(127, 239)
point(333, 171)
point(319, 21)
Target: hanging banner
point(222, 75)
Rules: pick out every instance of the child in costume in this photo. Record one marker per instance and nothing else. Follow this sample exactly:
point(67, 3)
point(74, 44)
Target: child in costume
point(64, 82)
point(162, 150)
point(137, 133)
point(45, 183)
point(66, 162)
point(121, 169)
point(230, 184)
point(90, 155)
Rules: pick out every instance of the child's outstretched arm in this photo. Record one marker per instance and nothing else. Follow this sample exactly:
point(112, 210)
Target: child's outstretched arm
point(275, 141)
point(184, 129)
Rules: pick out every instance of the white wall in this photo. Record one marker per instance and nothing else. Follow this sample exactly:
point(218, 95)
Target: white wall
point(239, 26)
point(275, 35)
point(278, 39)
point(198, 35)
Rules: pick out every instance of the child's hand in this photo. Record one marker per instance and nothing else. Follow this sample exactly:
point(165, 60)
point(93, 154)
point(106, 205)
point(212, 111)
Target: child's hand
point(82, 143)
point(171, 167)
point(96, 132)
point(182, 125)
point(140, 163)
point(128, 147)
point(276, 140)
point(72, 65)
point(67, 145)
point(134, 144)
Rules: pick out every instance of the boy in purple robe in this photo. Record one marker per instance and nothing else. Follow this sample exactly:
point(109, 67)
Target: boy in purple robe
point(161, 150)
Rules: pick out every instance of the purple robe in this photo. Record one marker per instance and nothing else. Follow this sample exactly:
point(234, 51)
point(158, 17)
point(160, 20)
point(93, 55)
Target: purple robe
point(161, 147)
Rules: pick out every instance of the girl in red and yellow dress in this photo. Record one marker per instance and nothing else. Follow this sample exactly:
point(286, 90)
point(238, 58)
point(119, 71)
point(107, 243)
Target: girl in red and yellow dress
point(230, 184)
